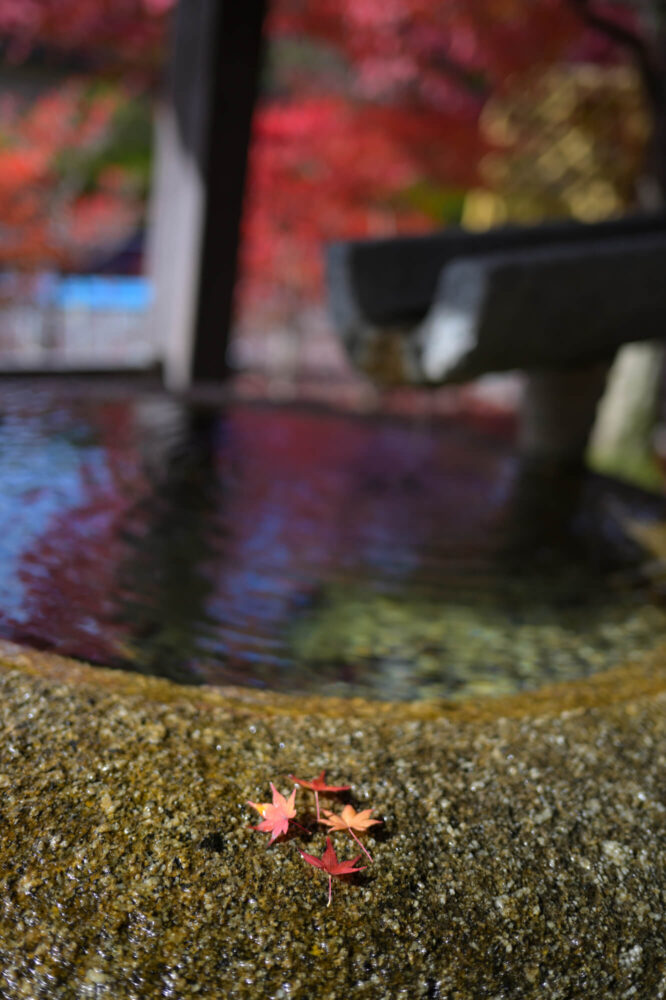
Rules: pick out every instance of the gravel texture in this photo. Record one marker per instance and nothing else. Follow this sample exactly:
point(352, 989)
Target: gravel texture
point(522, 852)
point(403, 647)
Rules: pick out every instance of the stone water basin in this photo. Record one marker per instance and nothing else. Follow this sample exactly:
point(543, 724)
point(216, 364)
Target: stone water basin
point(522, 851)
point(400, 604)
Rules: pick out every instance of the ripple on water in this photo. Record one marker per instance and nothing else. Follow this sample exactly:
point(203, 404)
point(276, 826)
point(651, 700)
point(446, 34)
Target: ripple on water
point(305, 551)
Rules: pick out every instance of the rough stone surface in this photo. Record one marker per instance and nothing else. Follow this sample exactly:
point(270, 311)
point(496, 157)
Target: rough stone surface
point(522, 854)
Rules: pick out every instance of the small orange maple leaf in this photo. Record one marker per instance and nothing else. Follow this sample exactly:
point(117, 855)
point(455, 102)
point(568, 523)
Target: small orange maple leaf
point(351, 820)
point(329, 863)
point(276, 814)
point(318, 785)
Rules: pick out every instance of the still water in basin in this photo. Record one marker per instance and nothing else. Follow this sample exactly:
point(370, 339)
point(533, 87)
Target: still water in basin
point(304, 551)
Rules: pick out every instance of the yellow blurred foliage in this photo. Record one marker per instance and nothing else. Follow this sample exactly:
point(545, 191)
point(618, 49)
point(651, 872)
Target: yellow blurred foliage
point(569, 141)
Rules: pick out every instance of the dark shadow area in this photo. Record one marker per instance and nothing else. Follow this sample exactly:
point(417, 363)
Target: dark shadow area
point(170, 553)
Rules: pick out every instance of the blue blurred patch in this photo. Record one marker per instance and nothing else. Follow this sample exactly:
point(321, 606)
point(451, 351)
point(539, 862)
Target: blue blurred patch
point(103, 294)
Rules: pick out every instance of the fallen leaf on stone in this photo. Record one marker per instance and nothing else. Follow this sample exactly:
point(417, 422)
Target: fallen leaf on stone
point(276, 814)
point(351, 820)
point(318, 785)
point(329, 863)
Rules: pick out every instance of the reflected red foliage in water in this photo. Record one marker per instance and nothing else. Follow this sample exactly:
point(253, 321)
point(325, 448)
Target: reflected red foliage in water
point(191, 557)
point(69, 576)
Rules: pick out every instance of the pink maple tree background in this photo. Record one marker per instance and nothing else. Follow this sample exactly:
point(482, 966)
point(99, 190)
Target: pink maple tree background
point(368, 125)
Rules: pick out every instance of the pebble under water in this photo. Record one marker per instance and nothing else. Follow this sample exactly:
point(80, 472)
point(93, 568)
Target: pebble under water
point(309, 552)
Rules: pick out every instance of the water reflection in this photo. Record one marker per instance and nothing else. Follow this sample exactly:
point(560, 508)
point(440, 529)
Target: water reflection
point(305, 551)
point(164, 583)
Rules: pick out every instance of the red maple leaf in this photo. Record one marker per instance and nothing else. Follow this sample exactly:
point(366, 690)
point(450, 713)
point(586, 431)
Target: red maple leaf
point(318, 785)
point(329, 863)
point(276, 814)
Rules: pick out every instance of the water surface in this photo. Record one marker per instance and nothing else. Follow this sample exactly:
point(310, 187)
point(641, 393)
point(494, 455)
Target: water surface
point(307, 551)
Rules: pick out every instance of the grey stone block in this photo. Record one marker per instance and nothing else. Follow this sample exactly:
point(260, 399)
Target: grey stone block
point(547, 307)
point(392, 282)
point(554, 300)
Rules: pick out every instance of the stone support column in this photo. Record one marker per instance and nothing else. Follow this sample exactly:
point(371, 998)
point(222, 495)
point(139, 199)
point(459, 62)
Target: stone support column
point(558, 411)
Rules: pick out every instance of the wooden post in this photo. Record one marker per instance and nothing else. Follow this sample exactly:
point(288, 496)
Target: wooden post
point(203, 129)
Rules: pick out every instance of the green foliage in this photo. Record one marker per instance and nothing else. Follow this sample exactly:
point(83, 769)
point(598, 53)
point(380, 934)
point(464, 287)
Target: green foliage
point(443, 205)
point(127, 144)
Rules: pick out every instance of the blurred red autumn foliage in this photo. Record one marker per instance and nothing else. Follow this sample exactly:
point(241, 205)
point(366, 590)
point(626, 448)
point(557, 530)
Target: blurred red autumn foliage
point(369, 123)
point(428, 52)
point(64, 193)
point(375, 126)
point(50, 215)
point(324, 167)
point(110, 32)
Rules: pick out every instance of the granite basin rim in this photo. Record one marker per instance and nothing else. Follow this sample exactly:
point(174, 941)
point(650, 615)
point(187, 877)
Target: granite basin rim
point(642, 676)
